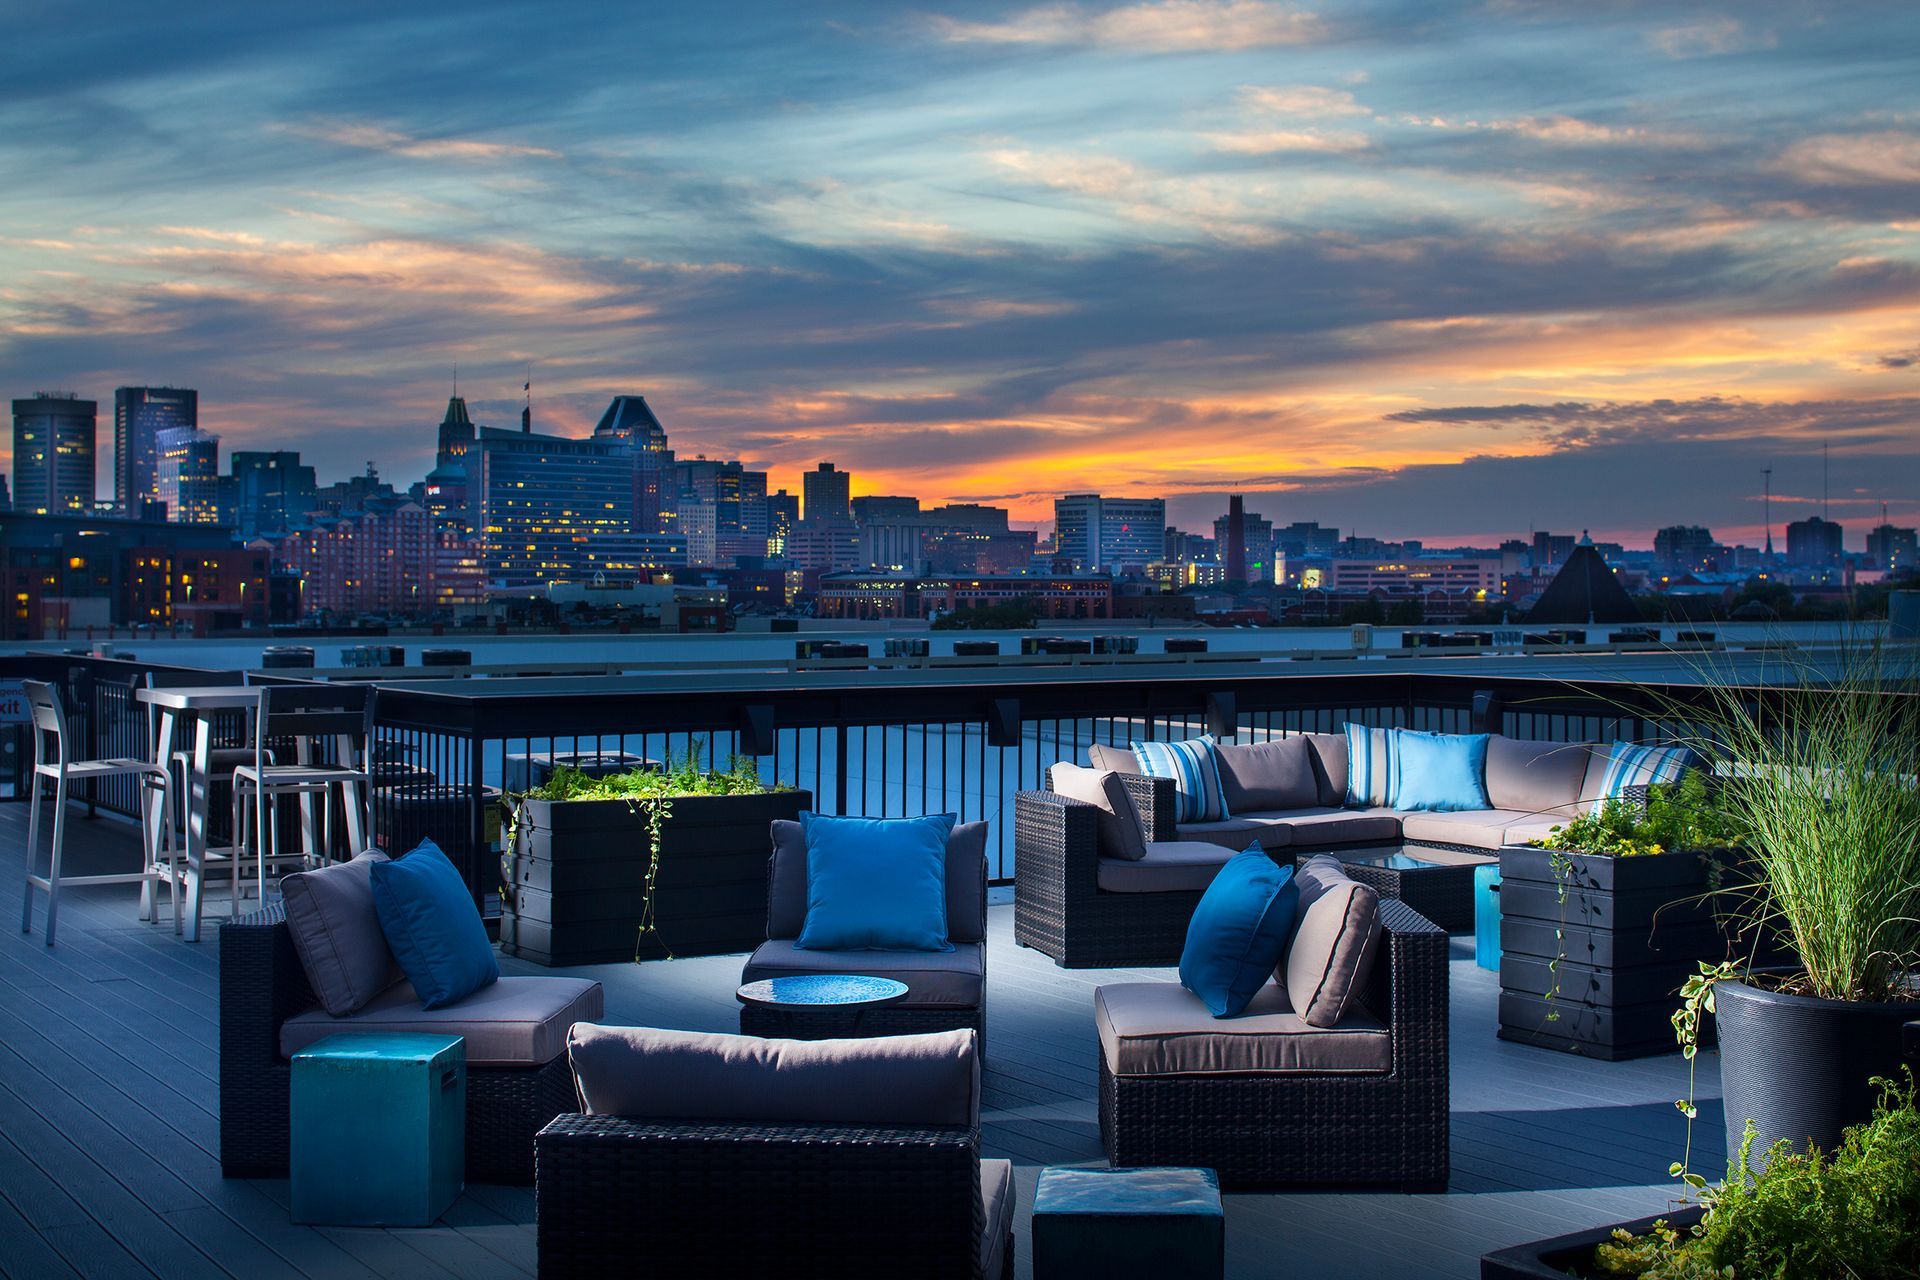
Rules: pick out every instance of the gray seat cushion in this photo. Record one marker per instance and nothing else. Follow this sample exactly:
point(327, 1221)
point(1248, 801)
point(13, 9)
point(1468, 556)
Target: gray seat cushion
point(1536, 778)
point(966, 882)
point(1269, 831)
point(1327, 825)
point(1118, 822)
point(1161, 1028)
point(952, 979)
point(1481, 828)
point(996, 1199)
point(1332, 953)
point(1170, 866)
point(1533, 829)
point(515, 1022)
point(1268, 775)
point(337, 934)
point(652, 1074)
point(1118, 759)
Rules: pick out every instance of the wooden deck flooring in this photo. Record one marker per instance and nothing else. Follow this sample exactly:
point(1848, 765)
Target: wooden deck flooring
point(109, 1116)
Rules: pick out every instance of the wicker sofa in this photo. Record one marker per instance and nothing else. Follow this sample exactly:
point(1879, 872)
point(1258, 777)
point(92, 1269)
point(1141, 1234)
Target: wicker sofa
point(730, 1156)
point(1087, 908)
point(517, 1076)
point(1271, 1102)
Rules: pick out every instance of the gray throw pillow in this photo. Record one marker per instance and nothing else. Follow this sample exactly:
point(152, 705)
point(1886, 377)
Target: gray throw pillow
point(1118, 759)
point(1268, 775)
point(932, 1078)
point(1119, 822)
point(1535, 777)
point(1332, 954)
point(1330, 762)
point(337, 934)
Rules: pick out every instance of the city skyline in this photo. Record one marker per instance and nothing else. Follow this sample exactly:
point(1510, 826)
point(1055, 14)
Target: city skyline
point(1447, 276)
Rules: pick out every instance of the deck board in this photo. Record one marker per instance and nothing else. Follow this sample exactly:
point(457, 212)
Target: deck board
point(109, 1115)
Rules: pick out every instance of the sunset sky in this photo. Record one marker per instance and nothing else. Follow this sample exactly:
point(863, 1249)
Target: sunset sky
point(1413, 269)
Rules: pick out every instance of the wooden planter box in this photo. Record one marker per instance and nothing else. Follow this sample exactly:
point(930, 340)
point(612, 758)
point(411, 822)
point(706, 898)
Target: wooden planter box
point(1632, 930)
point(576, 885)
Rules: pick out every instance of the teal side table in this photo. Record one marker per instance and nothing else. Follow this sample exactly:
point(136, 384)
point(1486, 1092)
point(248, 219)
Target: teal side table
point(1486, 916)
point(379, 1129)
point(1109, 1224)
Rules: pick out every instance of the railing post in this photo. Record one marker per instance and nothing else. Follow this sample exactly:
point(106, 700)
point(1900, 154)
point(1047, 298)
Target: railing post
point(840, 769)
point(1489, 712)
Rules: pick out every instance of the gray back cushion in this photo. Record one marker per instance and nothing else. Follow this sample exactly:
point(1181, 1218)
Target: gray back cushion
point(1118, 759)
point(966, 882)
point(1331, 957)
point(1534, 777)
point(336, 933)
point(1119, 822)
point(1330, 759)
point(928, 1079)
point(1268, 775)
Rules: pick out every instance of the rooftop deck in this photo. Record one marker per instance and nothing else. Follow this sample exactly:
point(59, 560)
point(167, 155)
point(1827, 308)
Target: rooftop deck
point(109, 1116)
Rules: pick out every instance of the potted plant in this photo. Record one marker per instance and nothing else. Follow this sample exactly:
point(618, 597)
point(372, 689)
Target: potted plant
point(1606, 917)
point(1853, 1215)
point(643, 865)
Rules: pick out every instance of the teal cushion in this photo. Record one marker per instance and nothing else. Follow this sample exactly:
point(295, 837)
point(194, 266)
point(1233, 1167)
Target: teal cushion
point(432, 926)
point(1373, 766)
point(876, 884)
point(1440, 772)
point(1198, 793)
point(1631, 765)
point(1238, 932)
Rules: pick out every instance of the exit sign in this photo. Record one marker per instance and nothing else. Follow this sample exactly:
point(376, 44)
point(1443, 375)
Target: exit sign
point(13, 703)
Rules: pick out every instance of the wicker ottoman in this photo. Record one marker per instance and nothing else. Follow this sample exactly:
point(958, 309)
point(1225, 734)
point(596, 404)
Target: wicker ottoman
point(1108, 1224)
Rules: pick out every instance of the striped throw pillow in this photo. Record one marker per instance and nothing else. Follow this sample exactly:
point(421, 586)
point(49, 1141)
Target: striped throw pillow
point(1373, 767)
point(1195, 774)
point(1632, 765)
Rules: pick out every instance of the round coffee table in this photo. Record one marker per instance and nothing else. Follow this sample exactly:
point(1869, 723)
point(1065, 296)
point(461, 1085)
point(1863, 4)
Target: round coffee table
point(838, 999)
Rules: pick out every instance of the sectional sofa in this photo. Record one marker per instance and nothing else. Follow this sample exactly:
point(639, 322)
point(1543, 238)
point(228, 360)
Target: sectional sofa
point(1090, 897)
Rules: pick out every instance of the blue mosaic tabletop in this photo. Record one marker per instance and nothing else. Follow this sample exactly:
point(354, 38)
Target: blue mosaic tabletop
point(822, 989)
point(1115, 1192)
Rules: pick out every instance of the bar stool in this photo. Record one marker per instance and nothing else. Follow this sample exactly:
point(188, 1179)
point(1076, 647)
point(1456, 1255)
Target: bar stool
point(310, 722)
point(157, 845)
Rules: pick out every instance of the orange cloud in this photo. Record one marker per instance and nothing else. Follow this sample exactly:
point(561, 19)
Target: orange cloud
point(1159, 26)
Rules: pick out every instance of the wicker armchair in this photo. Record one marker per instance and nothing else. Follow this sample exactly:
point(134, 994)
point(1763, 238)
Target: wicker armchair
point(1058, 905)
point(1320, 1130)
point(262, 984)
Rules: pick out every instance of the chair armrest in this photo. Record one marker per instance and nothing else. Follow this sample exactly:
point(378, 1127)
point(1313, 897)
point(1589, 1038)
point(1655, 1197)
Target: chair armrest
point(262, 984)
point(1056, 847)
point(746, 1198)
point(1155, 800)
point(1408, 989)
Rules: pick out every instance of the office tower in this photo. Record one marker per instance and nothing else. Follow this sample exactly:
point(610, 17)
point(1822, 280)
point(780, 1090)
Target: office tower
point(630, 423)
point(1235, 539)
point(1892, 550)
point(140, 414)
point(825, 493)
point(971, 516)
point(456, 434)
point(1682, 548)
point(1550, 549)
point(1102, 535)
point(53, 454)
point(1305, 538)
point(783, 513)
point(187, 474)
point(876, 509)
point(273, 491)
point(549, 508)
point(1815, 543)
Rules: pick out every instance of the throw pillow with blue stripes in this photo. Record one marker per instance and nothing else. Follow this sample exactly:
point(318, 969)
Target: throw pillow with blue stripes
point(1373, 767)
point(1199, 796)
point(1632, 765)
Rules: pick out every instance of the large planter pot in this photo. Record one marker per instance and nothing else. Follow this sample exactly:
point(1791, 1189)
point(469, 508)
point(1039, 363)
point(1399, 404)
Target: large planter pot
point(577, 881)
point(1571, 1254)
point(1798, 1066)
point(1631, 930)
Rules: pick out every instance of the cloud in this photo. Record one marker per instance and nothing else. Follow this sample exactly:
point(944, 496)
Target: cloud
point(1580, 424)
point(371, 137)
point(1561, 130)
point(1899, 359)
point(1262, 142)
point(1845, 159)
point(1302, 100)
point(1709, 37)
point(1158, 26)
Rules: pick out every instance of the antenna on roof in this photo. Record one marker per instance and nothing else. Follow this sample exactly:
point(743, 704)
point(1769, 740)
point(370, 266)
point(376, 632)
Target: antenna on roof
point(1767, 472)
point(526, 412)
point(1825, 472)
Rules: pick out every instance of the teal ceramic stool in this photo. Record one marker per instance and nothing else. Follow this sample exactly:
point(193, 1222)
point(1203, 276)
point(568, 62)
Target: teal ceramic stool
point(1486, 916)
point(1109, 1224)
point(379, 1129)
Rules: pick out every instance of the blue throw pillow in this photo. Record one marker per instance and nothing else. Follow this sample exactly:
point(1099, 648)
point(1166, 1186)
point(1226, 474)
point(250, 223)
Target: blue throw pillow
point(1373, 766)
point(1198, 794)
point(1632, 765)
point(1239, 932)
point(432, 926)
point(1441, 772)
point(876, 884)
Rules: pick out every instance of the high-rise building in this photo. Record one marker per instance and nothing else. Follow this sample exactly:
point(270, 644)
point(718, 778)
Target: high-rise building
point(1815, 543)
point(549, 508)
point(1305, 538)
point(1104, 535)
point(140, 414)
point(1680, 548)
point(456, 435)
point(971, 516)
point(1550, 549)
point(1235, 538)
point(53, 454)
point(631, 423)
point(379, 559)
point(783, 513)
point(1891, 549)
point(825, 490)
point(273, 491)
point(187, 475)
point(876, 509)
point(1252, 561)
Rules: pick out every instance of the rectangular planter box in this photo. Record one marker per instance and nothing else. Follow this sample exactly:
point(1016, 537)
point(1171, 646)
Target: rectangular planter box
point(577, 882)
point(1631, 931)
point(1571, 1254)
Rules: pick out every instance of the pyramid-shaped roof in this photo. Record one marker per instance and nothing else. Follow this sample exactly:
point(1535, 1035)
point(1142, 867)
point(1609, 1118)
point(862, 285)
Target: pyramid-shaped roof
point(456, 413)
point(1584, 590)
point(628, 418)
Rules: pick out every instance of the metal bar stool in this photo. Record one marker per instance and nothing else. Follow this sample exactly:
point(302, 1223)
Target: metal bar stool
point(323, 735)
point(157, 845)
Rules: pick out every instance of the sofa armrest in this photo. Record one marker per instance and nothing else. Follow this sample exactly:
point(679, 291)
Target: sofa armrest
point(1056, 847)
point(1408, 990)
point(262, 984)
point(1155, 800)
point(744, 1198)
